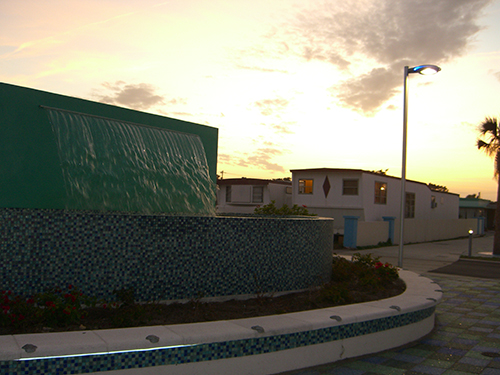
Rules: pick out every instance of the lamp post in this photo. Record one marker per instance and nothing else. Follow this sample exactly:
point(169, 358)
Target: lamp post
point(471, 232)
point(425, 70)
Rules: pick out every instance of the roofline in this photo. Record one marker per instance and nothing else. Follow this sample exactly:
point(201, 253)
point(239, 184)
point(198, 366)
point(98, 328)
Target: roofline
point(251, 181)
point(367, 172)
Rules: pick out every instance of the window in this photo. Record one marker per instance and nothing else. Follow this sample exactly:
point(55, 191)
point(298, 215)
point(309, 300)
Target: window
point(380, 193)
point(350, 187)
point(410, 206)
point(433, 202)
point(258, 194)
point(228, 193)
point(305, 186)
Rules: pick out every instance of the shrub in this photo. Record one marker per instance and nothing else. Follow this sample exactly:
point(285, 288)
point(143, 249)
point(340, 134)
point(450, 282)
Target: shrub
point(53, 308)
point(271, 209)
point(363, 270)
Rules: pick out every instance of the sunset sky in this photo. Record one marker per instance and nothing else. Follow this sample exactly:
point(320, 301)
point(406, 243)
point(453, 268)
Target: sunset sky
point(289, 84)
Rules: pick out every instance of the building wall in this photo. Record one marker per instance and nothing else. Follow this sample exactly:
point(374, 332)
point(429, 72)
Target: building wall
point(337, 205)
point(241, 197)
point(446, 204)
point(370, 233)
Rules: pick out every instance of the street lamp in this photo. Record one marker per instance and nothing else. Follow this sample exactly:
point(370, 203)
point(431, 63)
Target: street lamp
point(425, 70)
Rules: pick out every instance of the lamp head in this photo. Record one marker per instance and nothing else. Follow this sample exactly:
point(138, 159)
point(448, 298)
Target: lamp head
point(425, 69)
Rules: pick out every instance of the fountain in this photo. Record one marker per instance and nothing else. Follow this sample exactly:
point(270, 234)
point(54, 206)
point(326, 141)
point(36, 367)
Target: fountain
point(108, 198)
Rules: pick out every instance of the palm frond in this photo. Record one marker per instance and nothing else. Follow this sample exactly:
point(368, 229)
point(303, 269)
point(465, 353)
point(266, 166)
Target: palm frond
point(489, 149)
point(489, 127)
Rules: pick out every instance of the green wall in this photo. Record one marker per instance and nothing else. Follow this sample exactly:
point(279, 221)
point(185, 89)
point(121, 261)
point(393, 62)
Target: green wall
point(30, 173)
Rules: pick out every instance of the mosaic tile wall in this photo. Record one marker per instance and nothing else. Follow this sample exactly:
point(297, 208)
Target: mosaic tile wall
point(209, 351)
point(161, 257)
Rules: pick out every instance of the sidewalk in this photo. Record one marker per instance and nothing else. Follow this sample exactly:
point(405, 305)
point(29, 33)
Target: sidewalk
point(466, 339)
point(425, 257)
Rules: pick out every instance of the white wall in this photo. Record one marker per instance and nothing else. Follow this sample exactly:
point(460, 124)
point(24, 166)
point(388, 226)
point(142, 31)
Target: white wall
point(335, 199)
point(363, 205)
point(241, 197)
point(278, 193)
point(433, 230)
point(370, 233)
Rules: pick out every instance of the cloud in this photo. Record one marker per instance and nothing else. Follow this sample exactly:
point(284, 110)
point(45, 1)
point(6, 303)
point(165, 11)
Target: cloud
point(260, 69)
point(388, 34)
point(268, 107)
point(259, 159)
point(368, 91)
point(140, 96)
point(282, 128)
point(497, 75)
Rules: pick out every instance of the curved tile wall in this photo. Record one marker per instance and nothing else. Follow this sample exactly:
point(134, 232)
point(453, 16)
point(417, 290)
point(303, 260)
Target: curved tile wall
point(161, 257)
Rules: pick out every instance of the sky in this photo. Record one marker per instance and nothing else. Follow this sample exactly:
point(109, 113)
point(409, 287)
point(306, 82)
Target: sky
point(289, 84)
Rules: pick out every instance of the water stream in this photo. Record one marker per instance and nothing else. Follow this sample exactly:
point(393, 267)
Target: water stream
point(112, 165)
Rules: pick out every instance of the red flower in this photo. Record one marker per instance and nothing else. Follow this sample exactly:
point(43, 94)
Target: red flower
point(50, 304)
point(30, 301)
point(70, 286)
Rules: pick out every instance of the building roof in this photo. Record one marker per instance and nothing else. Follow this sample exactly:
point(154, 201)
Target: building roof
point(251, 181)
point(473, 203)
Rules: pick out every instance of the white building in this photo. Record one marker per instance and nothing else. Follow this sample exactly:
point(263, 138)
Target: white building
point(243, 195)
point(368, 195)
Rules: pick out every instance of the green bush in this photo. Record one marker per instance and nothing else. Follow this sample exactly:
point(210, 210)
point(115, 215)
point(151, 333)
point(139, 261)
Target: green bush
point(271, 209)
point(362, 271)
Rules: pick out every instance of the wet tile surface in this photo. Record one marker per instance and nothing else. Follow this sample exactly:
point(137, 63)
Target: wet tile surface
point(465, 341)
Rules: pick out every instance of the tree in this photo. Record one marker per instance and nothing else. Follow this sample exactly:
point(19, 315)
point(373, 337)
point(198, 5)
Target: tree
point(489, 142)
point(383, 172)
point(438, 188)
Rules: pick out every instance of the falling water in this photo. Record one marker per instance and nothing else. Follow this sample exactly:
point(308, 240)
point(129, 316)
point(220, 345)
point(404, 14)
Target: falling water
point(119, 166)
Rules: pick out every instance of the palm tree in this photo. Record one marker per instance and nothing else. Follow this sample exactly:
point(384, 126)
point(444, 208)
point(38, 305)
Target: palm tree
point(490, 132)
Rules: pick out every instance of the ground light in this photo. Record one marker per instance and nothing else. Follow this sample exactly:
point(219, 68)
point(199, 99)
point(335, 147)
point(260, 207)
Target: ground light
point(424, 70)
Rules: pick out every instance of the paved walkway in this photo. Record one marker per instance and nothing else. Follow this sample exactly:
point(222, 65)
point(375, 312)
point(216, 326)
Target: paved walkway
point(466, 339)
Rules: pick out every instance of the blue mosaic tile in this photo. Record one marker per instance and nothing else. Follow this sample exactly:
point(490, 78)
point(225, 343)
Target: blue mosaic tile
point(161, 257)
